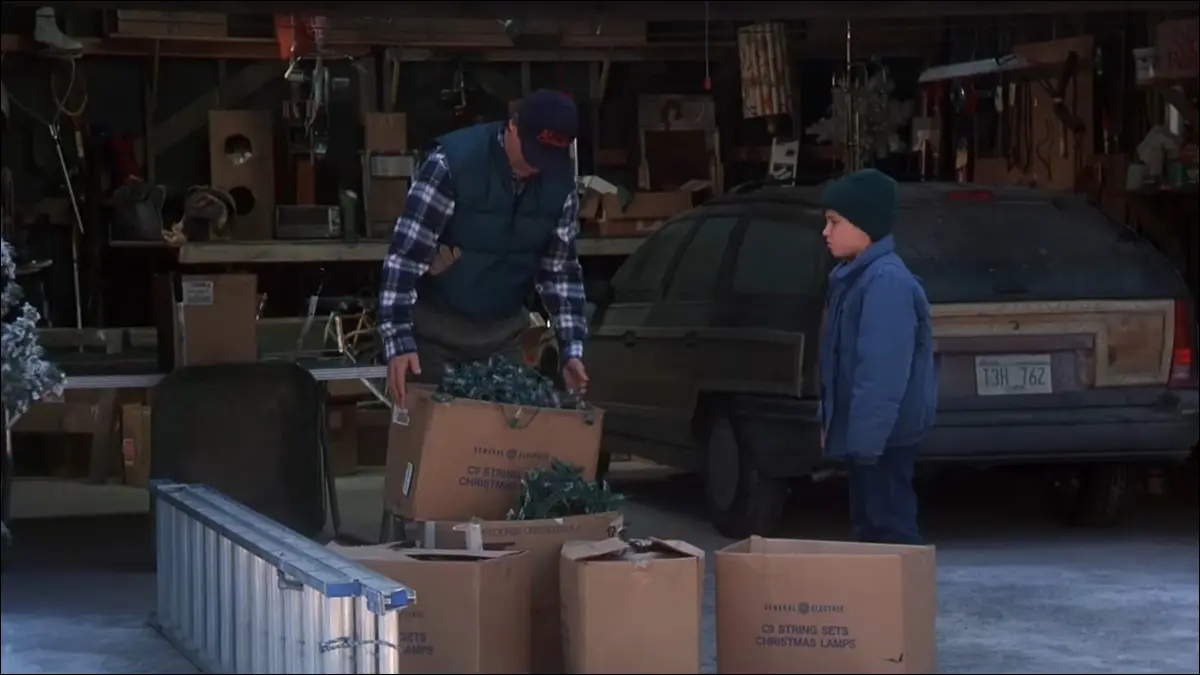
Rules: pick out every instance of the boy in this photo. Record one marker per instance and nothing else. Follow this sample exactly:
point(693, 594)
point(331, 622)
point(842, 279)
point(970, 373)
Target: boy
point(878, 378)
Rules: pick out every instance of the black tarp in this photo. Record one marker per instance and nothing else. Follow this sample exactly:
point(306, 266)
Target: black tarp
point(251, 431)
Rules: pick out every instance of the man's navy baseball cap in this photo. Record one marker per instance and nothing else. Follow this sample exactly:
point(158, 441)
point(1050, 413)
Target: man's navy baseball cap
point(547, 124)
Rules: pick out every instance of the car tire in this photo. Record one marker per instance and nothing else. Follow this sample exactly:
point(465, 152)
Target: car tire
point(603, 462)
point(740, 500)
point(5, 545)
point(1093, 496)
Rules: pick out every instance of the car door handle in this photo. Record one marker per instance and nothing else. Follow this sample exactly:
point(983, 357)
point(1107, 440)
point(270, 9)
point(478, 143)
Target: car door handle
point(629, 338)
point(691, 339)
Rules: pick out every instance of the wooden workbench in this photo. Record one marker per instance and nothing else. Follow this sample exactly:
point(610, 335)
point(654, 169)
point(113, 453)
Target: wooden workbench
point(336, 251)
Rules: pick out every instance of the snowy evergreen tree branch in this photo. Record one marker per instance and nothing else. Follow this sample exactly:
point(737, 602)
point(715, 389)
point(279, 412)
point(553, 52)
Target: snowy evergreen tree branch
point(25, 374)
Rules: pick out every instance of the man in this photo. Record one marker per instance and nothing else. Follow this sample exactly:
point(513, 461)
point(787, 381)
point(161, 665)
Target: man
point(491, 214)
point(878, 378)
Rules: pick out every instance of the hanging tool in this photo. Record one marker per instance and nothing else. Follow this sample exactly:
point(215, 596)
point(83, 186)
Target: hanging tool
point(1043, 150)
point(52, 126)
point(1018, 120)
point(62, 162)
point(456, 95)
point(309, 46)
point(1072, 125)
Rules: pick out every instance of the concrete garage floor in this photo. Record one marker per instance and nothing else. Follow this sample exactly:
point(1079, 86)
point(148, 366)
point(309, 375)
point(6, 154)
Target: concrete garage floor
point(1017, 594)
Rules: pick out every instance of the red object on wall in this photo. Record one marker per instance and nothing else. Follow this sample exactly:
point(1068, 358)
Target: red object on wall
point(123, 161)
point(299, 34)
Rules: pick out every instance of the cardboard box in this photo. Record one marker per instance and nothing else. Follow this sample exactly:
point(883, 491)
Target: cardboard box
point(472, 612)
point(1175, 48)
point(385, 132)
point(792, 606)
point(605, 215)
point(241, 162)
point(385, 205)
point(459, 459)
point(135, 443)
point(543, 540)
point(343, 439)
point(77, 411)
point(627, 611)
point(209, 318)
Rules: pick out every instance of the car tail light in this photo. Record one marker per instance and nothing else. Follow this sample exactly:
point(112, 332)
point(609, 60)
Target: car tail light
point(972, 196)
point(1183, 355)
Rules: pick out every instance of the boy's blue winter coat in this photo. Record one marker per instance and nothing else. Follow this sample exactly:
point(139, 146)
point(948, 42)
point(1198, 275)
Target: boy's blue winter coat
point(878, 375)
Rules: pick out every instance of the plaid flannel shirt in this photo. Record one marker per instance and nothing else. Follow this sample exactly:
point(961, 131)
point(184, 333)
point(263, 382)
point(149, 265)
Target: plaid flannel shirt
point(429, 206)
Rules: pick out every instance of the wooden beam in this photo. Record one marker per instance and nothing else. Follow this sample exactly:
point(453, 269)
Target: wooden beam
point(243, 49)
point(271, 252)
point(166, 134)
point(266, 50)
point(149, 152)
point(727, 10)
point(390, 80)
point(664, 52)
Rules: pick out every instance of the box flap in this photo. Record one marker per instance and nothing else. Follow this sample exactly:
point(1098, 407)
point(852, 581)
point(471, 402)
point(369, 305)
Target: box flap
point(399, 553)
point(647, 205)
point(677, 546)
point(425, 392)
point(757, 545)
point(585, 550)
point(640, 550)
point(472, 534)
point(504, 534)
point(598, 185)
point(696, 185)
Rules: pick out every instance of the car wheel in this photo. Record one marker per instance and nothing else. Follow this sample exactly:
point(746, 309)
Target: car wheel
point(5, 543)
point(740, 500)
point(1092, 496)
point(602, 463)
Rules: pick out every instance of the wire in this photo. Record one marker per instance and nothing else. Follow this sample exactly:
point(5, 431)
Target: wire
point(60, 103)
point(72, 81)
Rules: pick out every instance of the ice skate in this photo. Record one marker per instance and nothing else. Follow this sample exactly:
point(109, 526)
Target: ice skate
point(51, 40)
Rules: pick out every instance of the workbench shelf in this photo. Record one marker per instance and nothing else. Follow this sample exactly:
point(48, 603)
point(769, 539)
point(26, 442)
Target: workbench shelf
point(210, 253)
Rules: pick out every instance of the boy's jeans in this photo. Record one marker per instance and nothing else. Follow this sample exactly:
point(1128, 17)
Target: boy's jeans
point(883, 503)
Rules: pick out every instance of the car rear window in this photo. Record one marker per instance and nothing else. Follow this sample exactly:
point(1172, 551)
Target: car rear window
point(642, 276)
point(695, 277)
point(1026, 250)
point(782, 257)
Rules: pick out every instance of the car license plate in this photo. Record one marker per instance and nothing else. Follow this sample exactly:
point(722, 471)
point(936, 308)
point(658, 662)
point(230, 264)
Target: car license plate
point(1012, 374)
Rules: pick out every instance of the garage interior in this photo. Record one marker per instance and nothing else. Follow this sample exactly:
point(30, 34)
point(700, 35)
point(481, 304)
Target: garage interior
point(157, 113)
point(144, 139)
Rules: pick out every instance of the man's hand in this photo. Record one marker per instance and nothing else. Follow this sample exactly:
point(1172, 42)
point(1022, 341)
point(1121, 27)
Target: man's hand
point(575, 377)
point(398, 370)
point(444, 258)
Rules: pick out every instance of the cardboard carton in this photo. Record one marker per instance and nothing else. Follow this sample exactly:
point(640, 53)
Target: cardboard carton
point(627, 611)
point(792, 606)
point(543, 540)
point(135, 443)
point(458, 459)
point(206, 318)
point(343, 438)
point(605, 214)
point(385, 132)
point(472, 612)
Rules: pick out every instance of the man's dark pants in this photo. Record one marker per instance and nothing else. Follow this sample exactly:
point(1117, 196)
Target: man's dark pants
point(883, 503)
point(443, 337)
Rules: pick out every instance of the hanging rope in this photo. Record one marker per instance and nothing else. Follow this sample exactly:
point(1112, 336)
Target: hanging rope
point(62, 103)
